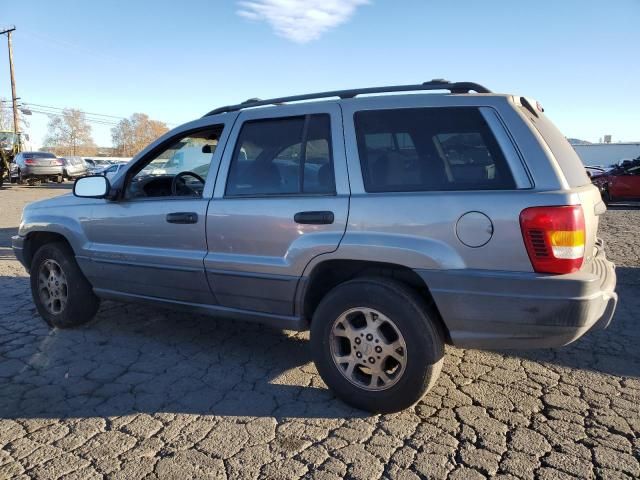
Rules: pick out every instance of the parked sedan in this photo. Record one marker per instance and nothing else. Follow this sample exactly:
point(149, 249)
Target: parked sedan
point(621, 183)
point(39, 166)
point(13, 172)
point(97, 167)
point(111, 171)
point(74, 167)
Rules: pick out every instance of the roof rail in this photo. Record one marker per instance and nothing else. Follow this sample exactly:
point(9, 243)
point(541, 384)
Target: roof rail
point(436, 84)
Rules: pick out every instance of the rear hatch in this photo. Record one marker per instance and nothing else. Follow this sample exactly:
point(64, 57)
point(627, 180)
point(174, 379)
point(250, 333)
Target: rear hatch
point(572, 168)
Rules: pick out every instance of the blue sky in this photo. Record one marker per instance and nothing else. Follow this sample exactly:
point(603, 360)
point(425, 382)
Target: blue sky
point(177, 60)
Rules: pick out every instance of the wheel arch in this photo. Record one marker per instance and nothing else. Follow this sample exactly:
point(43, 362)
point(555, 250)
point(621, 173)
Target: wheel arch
point(36, 239)
point(328, 274)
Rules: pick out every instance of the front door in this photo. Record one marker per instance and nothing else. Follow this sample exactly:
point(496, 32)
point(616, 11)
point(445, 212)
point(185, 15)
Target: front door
point(281, 199)
point(152, 241)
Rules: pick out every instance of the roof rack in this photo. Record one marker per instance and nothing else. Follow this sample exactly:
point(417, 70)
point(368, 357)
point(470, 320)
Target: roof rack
point(436, 84)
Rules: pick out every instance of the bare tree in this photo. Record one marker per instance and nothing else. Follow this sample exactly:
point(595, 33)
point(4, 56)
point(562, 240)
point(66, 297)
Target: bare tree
point(6, 118)
point(134, 133)
point(70, 134)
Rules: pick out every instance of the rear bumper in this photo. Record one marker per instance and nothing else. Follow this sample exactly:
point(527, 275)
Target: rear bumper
point(44, 171)
point(487, 309)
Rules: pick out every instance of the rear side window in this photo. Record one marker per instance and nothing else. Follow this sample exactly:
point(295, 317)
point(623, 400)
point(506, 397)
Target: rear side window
point(567, 158)
point(425, 149)
point(283, 156)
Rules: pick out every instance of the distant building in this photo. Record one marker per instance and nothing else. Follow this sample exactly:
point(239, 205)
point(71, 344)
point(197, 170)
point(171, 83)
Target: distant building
point(605, 154)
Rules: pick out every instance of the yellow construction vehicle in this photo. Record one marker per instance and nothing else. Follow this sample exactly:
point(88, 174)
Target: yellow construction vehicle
point(10, 146)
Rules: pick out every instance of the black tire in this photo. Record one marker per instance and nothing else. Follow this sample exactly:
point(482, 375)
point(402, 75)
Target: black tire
point(59, 179)
point(20, 178)
point(81, 304)
point(415, 320)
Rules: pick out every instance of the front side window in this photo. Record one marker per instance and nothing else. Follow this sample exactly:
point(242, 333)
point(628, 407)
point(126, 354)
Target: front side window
point(425, 149)
point(178, 169)
point(283, 156)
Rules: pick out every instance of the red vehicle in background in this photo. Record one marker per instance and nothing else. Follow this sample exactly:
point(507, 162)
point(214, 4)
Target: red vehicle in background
point(620, 183)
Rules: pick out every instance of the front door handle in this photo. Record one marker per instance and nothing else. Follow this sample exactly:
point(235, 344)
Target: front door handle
point(182, 217)
point(314, 218)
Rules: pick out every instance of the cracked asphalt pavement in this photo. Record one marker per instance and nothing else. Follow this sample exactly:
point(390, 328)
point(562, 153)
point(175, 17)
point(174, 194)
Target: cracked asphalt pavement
point(147, 393)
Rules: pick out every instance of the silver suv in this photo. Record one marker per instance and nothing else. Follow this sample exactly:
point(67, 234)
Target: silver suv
point(388, 225)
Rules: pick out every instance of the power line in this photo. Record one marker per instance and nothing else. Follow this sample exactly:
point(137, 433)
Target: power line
point(103, 118)
point(62, 112)
point(50, 110)
point(81, 111)
point(89, 120)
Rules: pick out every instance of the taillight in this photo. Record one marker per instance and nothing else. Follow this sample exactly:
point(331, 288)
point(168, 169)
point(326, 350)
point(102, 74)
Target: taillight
point(29, 161)
point(59, 162)
point(554, 237)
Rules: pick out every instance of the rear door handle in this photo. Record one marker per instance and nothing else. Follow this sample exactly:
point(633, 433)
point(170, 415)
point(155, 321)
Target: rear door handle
point(314, 218)
point(182, 217)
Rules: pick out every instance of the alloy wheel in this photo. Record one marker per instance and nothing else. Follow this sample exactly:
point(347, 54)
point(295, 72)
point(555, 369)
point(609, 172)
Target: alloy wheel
point(368, 349)
point(53, 288)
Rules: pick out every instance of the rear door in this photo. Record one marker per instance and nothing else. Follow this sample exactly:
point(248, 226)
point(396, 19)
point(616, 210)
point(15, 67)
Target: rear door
point(281, 199)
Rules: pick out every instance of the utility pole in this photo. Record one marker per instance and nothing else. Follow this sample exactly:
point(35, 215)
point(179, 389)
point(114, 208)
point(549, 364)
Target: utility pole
point(14, 98)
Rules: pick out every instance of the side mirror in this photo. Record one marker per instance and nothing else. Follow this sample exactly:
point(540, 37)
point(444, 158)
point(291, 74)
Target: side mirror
point(93, 186)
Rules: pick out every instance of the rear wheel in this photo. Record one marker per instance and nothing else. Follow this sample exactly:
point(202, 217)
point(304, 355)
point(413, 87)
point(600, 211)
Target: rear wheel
point(376, 344)
point(61, 292)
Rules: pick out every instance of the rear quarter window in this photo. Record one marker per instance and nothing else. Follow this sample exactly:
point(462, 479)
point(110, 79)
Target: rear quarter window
point(429, 149)
point(567, 158)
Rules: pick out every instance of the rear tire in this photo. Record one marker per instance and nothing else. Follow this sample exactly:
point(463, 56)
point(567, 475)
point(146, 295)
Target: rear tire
point(394, 351)
point(62, 294)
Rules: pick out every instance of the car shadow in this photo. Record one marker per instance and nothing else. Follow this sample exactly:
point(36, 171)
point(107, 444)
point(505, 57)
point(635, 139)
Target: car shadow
point(66, 185)
point(135, 358)
point(5, 235)
point(6, 253)
point(624, 206)
point(613, 351)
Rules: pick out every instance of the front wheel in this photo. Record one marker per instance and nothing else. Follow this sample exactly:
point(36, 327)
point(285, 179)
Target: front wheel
point(61, 292)
point(376, 344)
